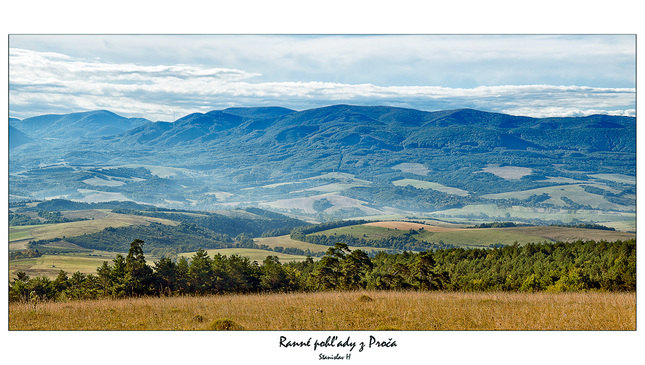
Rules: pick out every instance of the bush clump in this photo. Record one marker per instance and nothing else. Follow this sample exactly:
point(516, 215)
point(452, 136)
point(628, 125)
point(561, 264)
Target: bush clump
point(365, 298)
point(224, 325)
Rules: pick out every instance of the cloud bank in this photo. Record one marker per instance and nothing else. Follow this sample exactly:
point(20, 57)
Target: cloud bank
point(55, 83)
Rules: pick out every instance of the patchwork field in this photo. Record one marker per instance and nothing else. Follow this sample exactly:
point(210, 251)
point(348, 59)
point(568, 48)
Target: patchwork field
point(565, 234)
point(420, 184)
point(305, 204)
point(334, 188)
point(484, 212)
point(574, 192)
point(87, 261)
point(409, 225)
point(508, 172)
point(96, 181)
point(287, 242)
point(480, 237)
point(459, 237)
point(617, 178)
point(161, 171)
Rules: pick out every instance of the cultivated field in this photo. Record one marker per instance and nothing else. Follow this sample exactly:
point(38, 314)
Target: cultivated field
point(410, 225)
point(305, 204)
point(508, 172)
point(471, 237)
point(50, 265)
point(574, 192)
point(460, 237)
point(287, 242)
point(420, 184)
point(353, 311)
point(625, 179)
point(484, 212)
point(252, 254)
point(566, 234)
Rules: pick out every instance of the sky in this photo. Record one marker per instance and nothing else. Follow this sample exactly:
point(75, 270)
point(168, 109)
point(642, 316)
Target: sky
point(165, 77)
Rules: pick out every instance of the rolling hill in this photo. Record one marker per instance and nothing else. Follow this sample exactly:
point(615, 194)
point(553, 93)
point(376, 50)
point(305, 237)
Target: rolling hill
point(93, 124)
point(334, 162)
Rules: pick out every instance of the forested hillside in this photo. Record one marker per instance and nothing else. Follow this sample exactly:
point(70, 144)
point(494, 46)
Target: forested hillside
point(336, 162)
point(172, 231)
point(577, 266)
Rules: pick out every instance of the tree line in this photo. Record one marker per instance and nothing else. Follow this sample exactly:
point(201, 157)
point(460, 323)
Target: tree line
point(576, 266)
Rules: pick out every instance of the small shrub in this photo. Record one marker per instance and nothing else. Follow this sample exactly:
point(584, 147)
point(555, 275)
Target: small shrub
point(224, 325)
point(365, 298)
point(199, 318)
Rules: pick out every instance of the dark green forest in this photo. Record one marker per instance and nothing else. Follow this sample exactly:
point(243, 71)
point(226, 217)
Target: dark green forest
point(553, 267)
point(195, 229)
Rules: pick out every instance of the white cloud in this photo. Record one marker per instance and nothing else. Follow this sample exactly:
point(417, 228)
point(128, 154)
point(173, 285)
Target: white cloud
point(42, 80)
point(388, 60)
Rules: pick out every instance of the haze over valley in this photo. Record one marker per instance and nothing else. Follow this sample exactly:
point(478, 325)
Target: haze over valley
point(337, 162)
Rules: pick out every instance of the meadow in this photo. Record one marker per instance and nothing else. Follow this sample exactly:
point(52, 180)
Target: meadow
point(574, 192)
point(469, 214)
point(339, 310)
point(252, 253)
point(97, 221)
point(469, 237)
point(49, 266)
point(421, 184)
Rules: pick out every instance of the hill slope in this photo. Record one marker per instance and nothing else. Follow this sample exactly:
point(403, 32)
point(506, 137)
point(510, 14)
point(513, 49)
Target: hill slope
point(340, 160)
point(93, 124)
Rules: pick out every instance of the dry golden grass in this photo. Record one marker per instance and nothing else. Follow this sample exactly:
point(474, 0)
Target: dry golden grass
point(338, 311)
point(411, 225)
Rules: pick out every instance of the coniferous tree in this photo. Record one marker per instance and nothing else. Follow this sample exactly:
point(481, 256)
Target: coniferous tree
point(165, 274)
point(200, 272)
point(138, 273)
point(273, 275)
point(354, 268)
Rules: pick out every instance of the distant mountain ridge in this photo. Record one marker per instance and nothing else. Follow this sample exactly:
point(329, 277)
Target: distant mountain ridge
point(391, 129)
point(91, 124)
point(242, 155)
point(340, 126)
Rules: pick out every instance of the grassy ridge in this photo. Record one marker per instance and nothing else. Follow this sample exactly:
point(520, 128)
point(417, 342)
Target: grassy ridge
point(50, 265)
point(351, 311)
point(484, 212)
point(484, 236)
point(22, 232)
point(566, 234)
point(71, 229)
point(287, 242)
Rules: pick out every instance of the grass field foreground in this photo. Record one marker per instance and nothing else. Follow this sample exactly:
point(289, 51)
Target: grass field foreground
point(362, 310)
